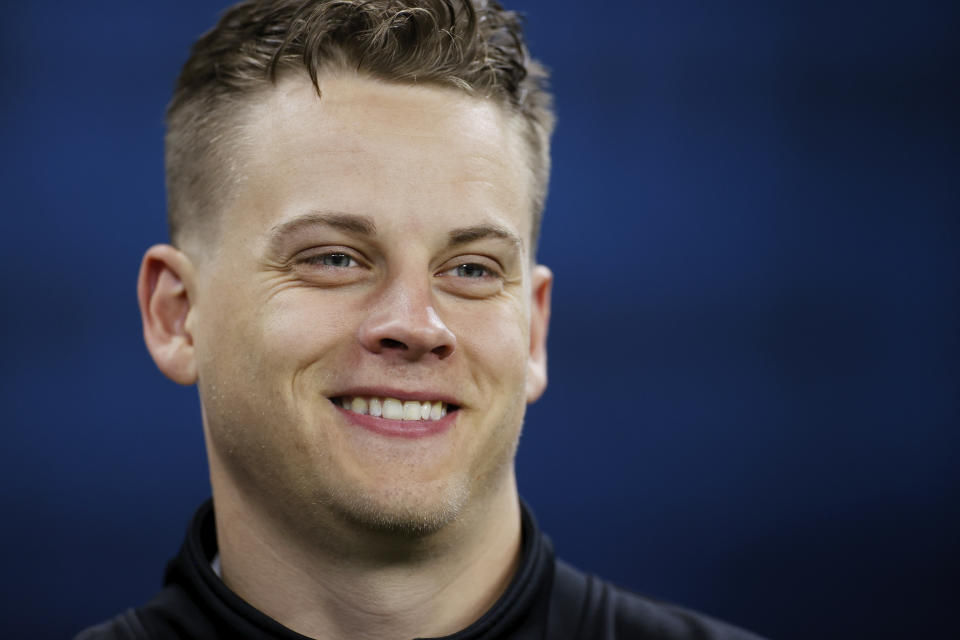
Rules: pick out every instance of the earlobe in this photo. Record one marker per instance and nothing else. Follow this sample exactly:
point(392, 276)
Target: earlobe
point(164, 290)
point(542, 286)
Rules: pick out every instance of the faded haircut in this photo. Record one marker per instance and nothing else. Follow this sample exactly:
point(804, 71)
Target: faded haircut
point(471, 45)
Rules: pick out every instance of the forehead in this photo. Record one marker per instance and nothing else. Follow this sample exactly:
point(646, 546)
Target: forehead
point(408, 155)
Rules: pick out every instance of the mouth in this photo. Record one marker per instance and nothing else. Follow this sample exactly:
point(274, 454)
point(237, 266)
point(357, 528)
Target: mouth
point(389, 408)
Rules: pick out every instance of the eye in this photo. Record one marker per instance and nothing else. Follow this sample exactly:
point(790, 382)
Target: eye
point(471, 270)
point(336, 260)
point(481, 278)
point(330, 266)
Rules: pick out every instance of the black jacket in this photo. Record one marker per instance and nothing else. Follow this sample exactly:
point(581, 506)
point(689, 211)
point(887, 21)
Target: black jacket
point(547, 599)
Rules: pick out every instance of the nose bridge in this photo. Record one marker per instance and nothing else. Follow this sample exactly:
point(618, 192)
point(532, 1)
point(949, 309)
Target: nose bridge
point(407, 295)
point(403, 320)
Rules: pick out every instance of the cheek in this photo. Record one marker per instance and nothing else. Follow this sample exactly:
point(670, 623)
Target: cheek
point(306, 337)
point(224, 326)
point(496, 338)
point(301, 324)
point(249, 339)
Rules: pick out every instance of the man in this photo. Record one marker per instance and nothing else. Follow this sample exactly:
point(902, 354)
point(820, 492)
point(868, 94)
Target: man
point(355, 190)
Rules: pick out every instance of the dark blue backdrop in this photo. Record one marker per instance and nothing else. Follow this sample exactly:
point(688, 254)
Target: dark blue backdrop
point(754, 226)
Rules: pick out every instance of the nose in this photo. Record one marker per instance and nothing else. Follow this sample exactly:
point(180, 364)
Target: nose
point(403, 322)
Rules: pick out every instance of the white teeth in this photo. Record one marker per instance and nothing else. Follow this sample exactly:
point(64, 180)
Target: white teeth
point(359, 405)
point(411, 410)
point(394, 409)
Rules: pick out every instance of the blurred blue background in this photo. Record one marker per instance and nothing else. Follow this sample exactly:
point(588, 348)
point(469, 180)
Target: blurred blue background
point(754, 226)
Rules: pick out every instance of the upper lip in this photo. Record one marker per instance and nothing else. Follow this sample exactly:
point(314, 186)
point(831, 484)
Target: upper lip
point(420, 395)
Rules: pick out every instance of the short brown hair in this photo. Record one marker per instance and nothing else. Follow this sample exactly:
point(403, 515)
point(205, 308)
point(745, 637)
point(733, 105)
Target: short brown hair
point(472, 45)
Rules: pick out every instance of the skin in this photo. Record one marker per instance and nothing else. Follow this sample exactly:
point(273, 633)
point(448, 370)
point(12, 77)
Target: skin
point(339, 265)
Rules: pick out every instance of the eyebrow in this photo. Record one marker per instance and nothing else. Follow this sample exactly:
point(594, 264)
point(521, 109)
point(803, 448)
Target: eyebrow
point(465, 235)
point(364, 226)
point(349, 222)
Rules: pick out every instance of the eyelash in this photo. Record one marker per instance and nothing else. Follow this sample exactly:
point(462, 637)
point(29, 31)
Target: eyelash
point(487, 271)
point(319, 258)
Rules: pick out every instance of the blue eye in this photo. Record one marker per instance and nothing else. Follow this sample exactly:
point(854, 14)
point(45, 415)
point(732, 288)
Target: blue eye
point(472, 270)
point(481, 279)
point(340, 260)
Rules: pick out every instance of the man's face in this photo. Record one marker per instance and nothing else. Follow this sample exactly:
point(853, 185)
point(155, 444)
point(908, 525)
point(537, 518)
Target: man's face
point(375, 255)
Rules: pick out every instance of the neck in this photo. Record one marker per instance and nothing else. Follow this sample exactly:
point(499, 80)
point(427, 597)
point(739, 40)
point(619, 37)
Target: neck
point(338, 582)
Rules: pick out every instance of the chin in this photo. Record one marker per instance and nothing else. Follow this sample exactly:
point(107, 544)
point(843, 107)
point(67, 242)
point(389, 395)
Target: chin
point(407, 511)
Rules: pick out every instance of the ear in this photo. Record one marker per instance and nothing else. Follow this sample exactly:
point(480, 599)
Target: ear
point(164, 290)
point(542, 285)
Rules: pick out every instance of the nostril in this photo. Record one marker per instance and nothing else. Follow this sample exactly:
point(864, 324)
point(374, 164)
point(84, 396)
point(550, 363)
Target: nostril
point(390, 343)
point(442, 351)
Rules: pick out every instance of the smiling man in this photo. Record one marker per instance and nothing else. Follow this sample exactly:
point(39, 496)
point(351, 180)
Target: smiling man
point(355, 191)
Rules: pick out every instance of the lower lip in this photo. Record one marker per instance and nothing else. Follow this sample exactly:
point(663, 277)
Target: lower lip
point(400, 428)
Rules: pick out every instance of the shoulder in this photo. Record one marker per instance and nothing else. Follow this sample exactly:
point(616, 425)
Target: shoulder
point(586, 607)
point(170, 615)
point(126, 626)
